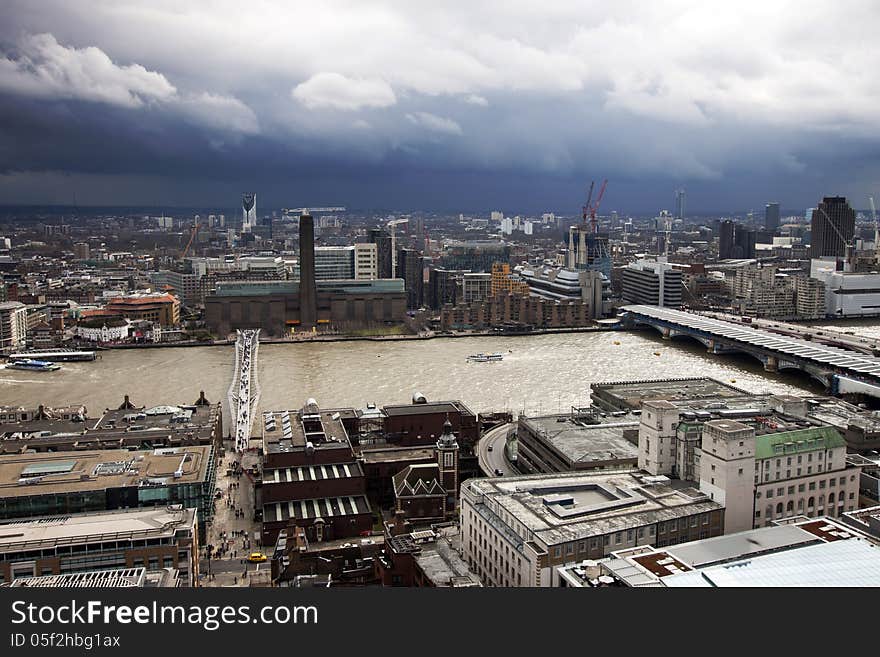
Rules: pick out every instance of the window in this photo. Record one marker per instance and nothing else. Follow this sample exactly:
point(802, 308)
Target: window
point(617, 538)
point(769, 492)
point(779, 509)
point(569, 549)
point(557, 552)
point(801, 488)
point(694, 521)
point(791, 490)
point(740, 472)
point(758, 513)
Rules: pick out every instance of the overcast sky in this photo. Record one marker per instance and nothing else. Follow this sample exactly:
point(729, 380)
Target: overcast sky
point(463, 106)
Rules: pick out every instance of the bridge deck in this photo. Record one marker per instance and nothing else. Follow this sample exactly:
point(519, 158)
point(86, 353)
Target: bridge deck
point(756, 337)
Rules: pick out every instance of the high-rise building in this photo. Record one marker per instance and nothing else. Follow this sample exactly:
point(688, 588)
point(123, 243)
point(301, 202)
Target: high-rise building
point(679, 203)
point(382, 240)
point(13, 325)
point(744, 243)
point(771, 217)
point(588, 250)
point(411, 269)
point(725, 240)
point(308, 293)
point(653, 283)
point(248, 212)
point(443, 286)
point(832, 227)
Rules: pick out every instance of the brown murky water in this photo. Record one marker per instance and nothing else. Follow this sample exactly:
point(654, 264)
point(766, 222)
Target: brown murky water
point(543, 373)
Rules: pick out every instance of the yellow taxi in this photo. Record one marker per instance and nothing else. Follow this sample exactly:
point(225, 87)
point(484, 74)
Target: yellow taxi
point(256, 557)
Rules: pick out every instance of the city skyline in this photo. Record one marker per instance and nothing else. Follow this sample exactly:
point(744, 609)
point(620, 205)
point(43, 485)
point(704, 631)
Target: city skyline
point(457, 107)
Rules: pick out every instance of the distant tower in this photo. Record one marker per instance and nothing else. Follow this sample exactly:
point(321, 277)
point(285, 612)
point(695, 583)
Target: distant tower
point(248, 212)
point(771, 217)
point(680, 195)
point(725, 240)
point(447, 461)
point(308, 292)
point(833, 225)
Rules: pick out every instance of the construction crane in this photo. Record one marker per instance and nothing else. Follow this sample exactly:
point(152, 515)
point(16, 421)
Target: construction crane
point(587, 204)
point(393, 225)
point(190, 242)
point(592, 209)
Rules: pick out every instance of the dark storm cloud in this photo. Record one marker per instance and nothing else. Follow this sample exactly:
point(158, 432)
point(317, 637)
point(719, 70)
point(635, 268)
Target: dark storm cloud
point(461, 105)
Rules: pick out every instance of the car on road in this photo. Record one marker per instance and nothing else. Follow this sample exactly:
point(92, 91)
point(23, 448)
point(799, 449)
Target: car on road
point(498, 472)
point(256, 557)
point(489, 448)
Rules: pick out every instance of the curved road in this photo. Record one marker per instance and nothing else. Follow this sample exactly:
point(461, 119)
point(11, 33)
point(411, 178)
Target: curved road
point(490, 460)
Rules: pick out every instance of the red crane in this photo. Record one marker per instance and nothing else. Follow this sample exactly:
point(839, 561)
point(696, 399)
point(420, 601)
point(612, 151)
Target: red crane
point(587, 204)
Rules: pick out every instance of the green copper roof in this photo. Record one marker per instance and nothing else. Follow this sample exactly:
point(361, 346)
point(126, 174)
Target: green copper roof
point(792, 442)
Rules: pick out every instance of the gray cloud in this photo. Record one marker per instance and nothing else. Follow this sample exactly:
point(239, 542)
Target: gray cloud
point(752, 93)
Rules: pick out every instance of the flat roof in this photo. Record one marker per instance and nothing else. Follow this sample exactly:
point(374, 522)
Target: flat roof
point(81, 528)
point(100, 469)
point(394, 454)
point(633, 393)
point(539, 502)
point(580, 442)
point(855, 562)
point(736, 546)
point(285, 431)
point(430, 407)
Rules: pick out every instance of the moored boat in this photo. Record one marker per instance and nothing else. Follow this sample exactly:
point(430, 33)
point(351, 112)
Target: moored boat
point(33, 365)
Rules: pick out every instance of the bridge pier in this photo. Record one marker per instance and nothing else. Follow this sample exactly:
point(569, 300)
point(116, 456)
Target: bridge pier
point(666, 332)
point(771, 364)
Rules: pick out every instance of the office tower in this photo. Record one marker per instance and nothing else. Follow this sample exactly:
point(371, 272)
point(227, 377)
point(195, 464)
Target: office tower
point(725, 240)
point(411, 269)
point(652, 282)
point(382, 240)
point(248, 212)
point(308, 293)
point(832, 227)
point(744, 243)
point(679, 203)
point(771, 217)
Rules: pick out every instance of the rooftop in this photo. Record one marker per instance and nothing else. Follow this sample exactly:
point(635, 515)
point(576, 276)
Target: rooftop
point(560, 508)
point(115, 578)
point(55, 473)
point(854, 562)
point(285, 431)
point(631, 394)
point(804, 440)
point(81, 528)
point(586, 439)
point(429, 407)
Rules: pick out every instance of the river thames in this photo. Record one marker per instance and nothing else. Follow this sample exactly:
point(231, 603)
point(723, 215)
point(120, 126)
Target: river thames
point(539, 373)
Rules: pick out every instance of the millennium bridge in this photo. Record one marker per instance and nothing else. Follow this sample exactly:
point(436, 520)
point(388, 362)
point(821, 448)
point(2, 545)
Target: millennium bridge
point(841, 371)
